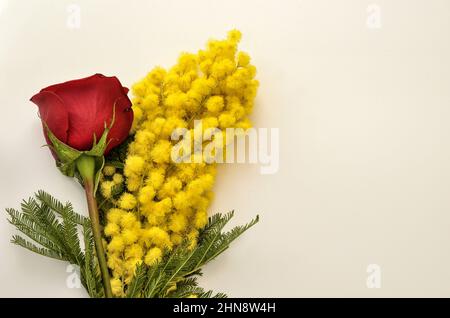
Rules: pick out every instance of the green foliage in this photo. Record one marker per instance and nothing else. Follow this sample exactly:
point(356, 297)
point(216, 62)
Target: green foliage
point(104, 204)
point(176, 274)
point(93, 284)
point(118, 155)
point(54, 230)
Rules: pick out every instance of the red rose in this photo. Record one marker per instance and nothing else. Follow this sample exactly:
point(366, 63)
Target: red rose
point(77, 110)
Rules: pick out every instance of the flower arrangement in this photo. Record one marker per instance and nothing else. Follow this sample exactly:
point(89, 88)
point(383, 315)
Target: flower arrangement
point(148, 233)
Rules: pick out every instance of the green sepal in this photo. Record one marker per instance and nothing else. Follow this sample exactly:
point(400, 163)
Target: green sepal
point(67, 169)
point(98, 148)
point(66, 154)
point(99, 164)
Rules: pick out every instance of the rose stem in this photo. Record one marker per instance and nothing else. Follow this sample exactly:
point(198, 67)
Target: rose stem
point(86, 167)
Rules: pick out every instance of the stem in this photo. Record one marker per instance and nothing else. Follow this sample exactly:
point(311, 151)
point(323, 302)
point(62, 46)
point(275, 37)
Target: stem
point(86, 167)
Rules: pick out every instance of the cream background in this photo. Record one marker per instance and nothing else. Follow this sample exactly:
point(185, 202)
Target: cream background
point(364, 135)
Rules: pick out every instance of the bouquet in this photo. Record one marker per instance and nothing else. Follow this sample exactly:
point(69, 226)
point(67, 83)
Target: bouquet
point(147, 166)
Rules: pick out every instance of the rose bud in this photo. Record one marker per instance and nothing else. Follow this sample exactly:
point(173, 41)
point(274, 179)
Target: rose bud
point(76, 111)
point(83, 120)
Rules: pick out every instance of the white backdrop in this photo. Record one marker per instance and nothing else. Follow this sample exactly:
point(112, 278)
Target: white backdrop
point(360, 94)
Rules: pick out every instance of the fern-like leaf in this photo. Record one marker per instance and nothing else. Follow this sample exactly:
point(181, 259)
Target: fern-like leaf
point(91, 277)
point(174, 275)
point(58, 207)
point(18, 240)
point(36, 231)
point(134, 289)
point(54, 227)
point(224, 241)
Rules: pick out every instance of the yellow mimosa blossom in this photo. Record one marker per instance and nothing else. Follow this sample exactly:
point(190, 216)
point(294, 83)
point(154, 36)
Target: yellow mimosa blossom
point(153, 255)
point(165, 202)
point(106, 188)
point(127, 201)
point(109, 170)
point(117, 178)
point(117, 287)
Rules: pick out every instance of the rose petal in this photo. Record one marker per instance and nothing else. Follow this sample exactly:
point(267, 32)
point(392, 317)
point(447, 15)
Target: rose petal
point(53, 113)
